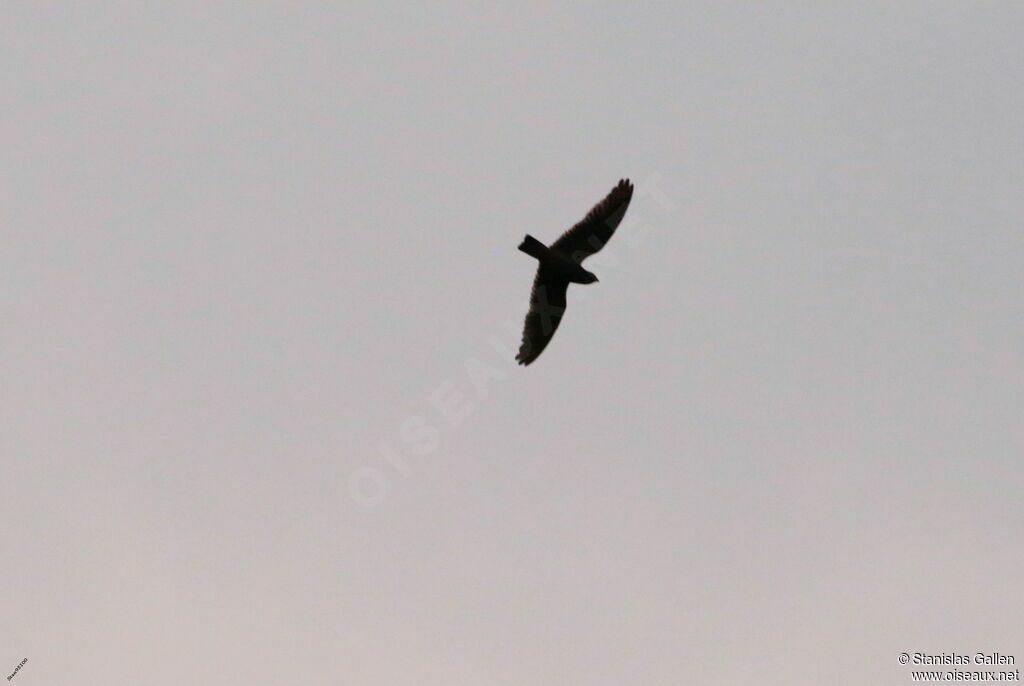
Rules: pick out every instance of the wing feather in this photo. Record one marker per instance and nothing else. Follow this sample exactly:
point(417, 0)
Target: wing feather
point(547, 305)
point(590, 234)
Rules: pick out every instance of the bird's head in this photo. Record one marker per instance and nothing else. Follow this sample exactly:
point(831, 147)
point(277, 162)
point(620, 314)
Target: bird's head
point(589, 277)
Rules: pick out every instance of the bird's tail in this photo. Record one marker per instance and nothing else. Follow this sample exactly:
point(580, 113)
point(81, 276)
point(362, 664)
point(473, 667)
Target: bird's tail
point(532, 247)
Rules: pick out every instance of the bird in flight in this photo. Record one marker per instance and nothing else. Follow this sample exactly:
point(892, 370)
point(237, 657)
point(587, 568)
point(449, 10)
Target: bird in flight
point(562, 264)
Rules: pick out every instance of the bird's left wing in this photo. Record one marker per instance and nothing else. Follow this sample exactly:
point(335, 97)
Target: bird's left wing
point(547, 305)
point(590, 235)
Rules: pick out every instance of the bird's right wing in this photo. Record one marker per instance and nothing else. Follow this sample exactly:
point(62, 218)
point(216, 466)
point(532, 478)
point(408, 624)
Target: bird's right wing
point(547, 305)
point(594, 230)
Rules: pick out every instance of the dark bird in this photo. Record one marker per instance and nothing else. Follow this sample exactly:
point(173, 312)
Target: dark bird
point(562, 264)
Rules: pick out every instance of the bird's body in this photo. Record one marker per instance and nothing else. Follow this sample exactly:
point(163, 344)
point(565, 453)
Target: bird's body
point(561, 264)
point(556, 262)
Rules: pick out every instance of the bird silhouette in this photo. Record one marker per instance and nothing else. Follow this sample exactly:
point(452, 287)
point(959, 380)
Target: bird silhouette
point(562, 264)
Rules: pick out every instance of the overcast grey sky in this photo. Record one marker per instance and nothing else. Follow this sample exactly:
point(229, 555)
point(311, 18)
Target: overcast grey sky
point(259, 417)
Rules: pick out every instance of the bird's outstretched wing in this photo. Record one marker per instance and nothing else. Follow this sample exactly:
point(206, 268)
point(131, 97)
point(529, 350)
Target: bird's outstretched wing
point(547, 305)
point(590, 235)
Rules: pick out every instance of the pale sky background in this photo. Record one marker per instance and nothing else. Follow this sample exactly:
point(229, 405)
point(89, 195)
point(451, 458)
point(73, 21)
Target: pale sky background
point(255, 255)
